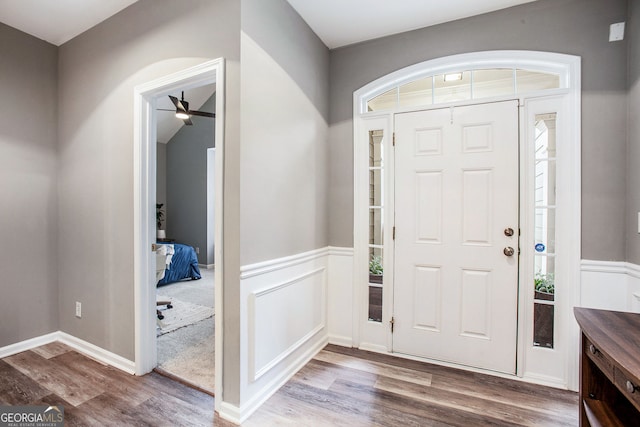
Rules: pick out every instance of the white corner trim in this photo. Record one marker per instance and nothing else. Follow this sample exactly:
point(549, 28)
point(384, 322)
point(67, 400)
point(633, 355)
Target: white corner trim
point(229, 412)
point(29, 344)
point(90, 350)
point(251, 270)
point(98, 353)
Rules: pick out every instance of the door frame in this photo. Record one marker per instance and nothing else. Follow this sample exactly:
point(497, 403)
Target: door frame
point(145, 152)
point(377, 336)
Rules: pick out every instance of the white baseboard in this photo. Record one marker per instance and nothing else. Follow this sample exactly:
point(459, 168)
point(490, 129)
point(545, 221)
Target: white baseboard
point(90, 350)
point(376, 348)
point(341, 340)
point(98, 353)
point(229, 412)
point(207, 266)
point(25, 345)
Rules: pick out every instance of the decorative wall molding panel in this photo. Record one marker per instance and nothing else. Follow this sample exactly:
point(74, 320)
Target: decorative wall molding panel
point(283, 322)
point(610, 285)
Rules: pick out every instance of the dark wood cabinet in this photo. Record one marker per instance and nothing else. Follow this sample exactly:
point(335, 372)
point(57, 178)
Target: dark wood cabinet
point(609, 368)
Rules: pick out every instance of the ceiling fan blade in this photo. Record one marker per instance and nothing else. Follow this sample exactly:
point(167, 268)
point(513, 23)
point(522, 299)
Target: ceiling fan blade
point(187, 122)
point(201, 113)
point(177, 103)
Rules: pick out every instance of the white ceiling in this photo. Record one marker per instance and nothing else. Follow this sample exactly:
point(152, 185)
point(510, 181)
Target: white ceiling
point(58, 21)
point(342, 22)
point(337, 22)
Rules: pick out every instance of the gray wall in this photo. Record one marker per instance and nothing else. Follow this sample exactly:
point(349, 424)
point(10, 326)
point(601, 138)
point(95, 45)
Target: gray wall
point(284, 133)
point(282, 159)
point(187, 183)
point(28, 189)
point(633, 156)
point(98, 71)
point(161, 179)
point(577, 27)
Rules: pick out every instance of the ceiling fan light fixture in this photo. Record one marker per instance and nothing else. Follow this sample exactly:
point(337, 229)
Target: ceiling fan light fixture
point(181, 115)
point(182, 109)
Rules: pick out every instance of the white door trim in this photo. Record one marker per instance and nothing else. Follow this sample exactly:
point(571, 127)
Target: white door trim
point(144, 204)
point(568, 68)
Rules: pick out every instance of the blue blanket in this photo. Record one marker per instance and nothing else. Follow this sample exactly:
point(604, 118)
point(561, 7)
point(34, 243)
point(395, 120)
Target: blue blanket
point(184, 265)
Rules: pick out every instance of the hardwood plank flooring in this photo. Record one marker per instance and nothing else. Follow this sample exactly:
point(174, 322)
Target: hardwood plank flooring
point(349, 387)
point(339, 387)
point(97, 395)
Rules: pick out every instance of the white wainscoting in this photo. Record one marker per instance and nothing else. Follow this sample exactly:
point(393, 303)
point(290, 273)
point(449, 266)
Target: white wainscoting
point(610, 285)
point(283, 322)
point(341, 296)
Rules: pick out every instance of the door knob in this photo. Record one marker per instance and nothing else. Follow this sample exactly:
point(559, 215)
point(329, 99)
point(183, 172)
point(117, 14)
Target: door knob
point(509, 251)
point(508, 232)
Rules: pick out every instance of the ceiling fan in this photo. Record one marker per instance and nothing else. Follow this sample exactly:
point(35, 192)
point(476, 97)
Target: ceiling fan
point(183, 112)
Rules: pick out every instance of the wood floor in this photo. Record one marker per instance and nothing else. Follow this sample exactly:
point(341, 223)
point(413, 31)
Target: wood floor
point(339, 387)
point(348, 387)
point(96, 395)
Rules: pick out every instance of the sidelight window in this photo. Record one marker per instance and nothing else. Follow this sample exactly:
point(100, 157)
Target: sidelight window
point(376, 223)
point(544, 230)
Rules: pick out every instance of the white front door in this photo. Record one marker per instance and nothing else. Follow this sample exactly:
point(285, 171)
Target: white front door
point(456, 197)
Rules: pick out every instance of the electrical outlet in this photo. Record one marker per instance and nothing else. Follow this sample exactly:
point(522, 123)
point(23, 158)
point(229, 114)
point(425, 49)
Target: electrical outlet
point(197, 250)
point(78, 309)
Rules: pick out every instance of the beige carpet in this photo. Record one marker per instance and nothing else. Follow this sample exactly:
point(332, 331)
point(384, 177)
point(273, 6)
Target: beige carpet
point(188, 353)
point(182, 314)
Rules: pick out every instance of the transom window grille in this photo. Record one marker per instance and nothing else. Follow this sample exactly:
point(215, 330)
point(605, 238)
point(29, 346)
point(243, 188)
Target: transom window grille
point(463, 86)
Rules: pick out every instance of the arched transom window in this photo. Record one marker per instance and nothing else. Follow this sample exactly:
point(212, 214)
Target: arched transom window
point(463, 85)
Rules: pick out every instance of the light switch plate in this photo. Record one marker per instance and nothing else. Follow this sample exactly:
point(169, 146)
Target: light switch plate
point(616, 32)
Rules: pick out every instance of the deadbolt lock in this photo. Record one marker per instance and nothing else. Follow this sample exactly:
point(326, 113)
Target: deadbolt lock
point(508, 232)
